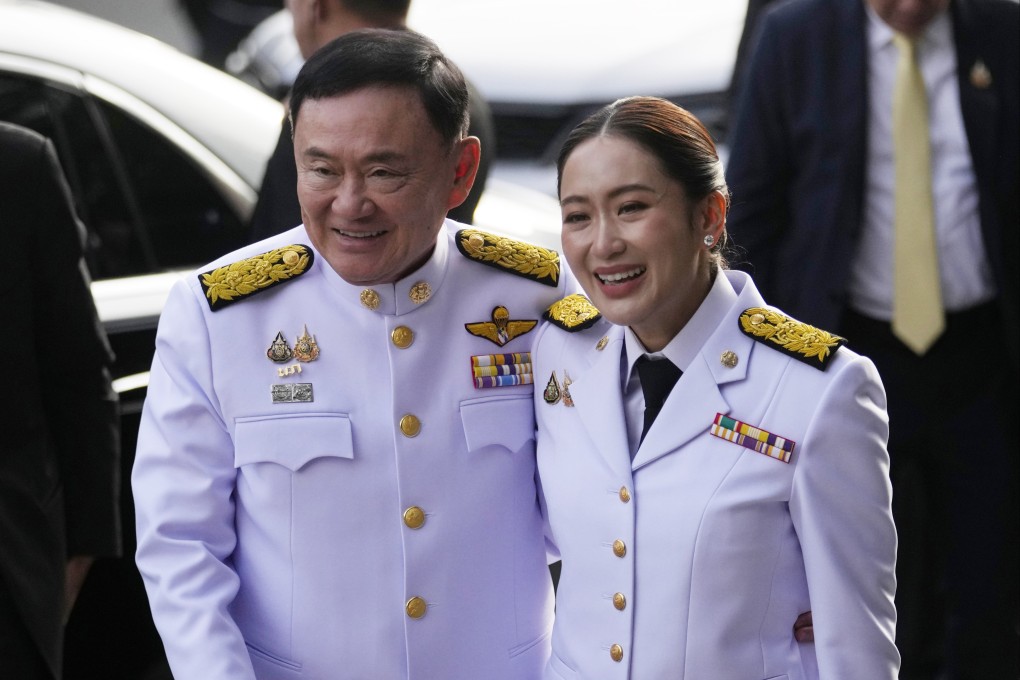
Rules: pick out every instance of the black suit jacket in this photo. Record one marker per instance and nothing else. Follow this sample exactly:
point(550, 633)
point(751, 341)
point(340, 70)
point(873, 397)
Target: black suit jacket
point(60, 439)
point(798, 143)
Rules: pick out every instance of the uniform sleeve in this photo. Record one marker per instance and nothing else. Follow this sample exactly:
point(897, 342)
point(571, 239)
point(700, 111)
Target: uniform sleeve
point(78, 399)
point(183, 482)
point(841, 509)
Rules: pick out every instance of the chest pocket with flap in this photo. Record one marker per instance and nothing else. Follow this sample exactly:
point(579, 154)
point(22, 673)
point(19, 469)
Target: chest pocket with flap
point(292, 440)
point(498, 421)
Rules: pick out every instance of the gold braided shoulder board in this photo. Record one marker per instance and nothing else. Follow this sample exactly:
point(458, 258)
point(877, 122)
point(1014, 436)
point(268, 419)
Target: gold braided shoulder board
point(791, 337)
point(240, 280)
point(573, 313)
point(516, 257)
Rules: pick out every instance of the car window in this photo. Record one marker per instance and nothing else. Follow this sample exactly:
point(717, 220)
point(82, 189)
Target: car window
point(146, 205)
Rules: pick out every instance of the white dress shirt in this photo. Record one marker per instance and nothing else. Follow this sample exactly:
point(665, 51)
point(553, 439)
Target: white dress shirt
point(963, 263)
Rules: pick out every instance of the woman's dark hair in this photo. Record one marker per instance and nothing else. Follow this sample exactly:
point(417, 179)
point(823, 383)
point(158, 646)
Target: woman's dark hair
point(670, 133)
point(384, 57)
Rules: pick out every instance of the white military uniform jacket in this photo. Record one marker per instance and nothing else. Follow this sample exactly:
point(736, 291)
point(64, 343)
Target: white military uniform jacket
point(693, 560)
point(370, 514)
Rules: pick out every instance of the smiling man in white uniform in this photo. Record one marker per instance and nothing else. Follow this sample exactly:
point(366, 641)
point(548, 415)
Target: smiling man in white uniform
point(335, 471)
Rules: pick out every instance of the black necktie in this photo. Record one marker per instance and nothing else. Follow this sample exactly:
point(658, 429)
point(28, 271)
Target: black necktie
point(657, 379)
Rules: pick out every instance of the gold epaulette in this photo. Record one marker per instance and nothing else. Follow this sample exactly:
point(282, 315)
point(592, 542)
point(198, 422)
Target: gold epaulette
point(791, 337)
point(573, 313)
point(239, 280)
point(516, 257)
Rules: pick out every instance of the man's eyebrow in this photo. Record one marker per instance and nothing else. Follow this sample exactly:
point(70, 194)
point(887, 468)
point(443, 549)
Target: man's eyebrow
point(380, 156)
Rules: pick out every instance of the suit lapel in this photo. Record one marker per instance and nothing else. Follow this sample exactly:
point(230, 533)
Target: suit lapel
point(850, 64)
point(698, 396)
point(687, 413)
point(979, 105)
point(599, 403)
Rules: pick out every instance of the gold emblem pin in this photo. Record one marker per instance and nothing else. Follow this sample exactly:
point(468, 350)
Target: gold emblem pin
point(279, 351)
point(305, 347)
point(729, 359)
point(567, 399)
point(980, 76)
point(420, 292)
point(601, 344)
point(370, 298)
point(551, 394)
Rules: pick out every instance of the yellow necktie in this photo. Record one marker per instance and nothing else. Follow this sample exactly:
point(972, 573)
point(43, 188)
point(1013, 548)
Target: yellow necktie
point(918, 318)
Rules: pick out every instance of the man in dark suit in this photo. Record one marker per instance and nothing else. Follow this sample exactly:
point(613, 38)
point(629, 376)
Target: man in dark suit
point(317, 22)
point(60, 450)
point(816, 206)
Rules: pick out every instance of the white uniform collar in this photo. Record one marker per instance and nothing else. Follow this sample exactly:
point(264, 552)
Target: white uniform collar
point(401, 297)
point(687, 344)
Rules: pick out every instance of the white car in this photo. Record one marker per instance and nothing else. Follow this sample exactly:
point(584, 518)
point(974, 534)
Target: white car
point(543, 65)
point(165, 156)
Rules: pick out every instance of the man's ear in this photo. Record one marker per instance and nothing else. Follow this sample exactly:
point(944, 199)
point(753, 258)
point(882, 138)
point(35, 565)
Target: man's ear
point(321, 10)
point(468, 152)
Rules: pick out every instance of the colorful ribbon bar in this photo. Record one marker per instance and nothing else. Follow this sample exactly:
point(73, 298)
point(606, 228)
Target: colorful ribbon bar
point(504, 380)
point(501, 370)
point(754, 438)
point(501, 359)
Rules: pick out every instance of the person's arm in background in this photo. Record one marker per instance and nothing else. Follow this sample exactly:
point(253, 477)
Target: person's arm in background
point(79, 401)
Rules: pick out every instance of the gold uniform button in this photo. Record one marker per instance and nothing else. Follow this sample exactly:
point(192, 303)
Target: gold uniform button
point(416, 607)
point(414, 517)
point(402, 337)
point(624, 494)
point(619, 601)
point(616, 653)
point(410, 425)
point(619, 548)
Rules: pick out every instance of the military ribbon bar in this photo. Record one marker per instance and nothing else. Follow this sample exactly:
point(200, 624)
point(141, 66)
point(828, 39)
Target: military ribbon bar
point(754, 438)
point(501, 370)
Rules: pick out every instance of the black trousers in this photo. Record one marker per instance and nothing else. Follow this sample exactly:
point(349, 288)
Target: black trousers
point(19, 655)
point(953, 450)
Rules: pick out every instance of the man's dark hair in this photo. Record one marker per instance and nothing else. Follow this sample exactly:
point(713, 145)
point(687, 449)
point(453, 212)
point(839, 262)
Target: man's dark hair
point(382, 57)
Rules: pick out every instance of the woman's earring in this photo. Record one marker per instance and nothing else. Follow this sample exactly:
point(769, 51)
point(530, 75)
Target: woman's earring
point(709, 240)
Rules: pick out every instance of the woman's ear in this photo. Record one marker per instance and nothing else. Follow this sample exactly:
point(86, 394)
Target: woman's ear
point(710, 216)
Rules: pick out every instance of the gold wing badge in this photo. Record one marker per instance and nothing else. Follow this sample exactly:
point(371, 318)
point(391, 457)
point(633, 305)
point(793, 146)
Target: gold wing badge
point(501, 329)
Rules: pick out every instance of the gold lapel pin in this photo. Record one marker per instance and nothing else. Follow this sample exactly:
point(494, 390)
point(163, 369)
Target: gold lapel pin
point(980, 76)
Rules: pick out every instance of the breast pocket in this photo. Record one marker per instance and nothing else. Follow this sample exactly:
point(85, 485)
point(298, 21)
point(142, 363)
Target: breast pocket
point(507, 422)
point(292, 441)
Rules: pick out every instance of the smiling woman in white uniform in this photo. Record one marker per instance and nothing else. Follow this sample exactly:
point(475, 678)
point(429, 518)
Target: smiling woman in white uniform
point(761, 489)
